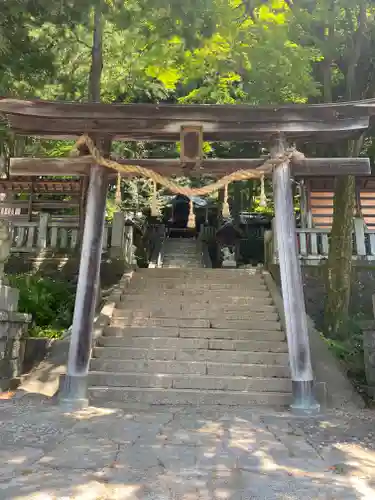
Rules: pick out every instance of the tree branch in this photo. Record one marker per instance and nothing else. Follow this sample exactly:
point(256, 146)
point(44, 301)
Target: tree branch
point(87, 45)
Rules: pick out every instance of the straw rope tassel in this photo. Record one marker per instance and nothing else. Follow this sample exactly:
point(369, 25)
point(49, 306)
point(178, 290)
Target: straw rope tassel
point(154, 202)
point(191, 219)
point(225, 212)
point(263, 199)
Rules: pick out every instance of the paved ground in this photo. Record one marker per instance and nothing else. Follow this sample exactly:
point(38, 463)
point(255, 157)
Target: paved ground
point(182, 454)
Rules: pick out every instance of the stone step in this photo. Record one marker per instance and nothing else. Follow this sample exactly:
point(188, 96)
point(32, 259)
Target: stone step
point(140, 300)
point(182, 263)
point(178, 265)
point(190, 355)
point(161, 322)
point(193, 275)
point(256, 324)
point(134, 353)
point(211, 284)
point(184, 258)
point(190, 277)
point(220, 356)
point(193, 291)
point(221, 294)
point(187, 335)
point(199, 310)
point(214, 368)
point(147, 284)
point(126, 395)
point(194, 343)
point(181, 252)
point(174, 313)
point(247, 370)
point(205, 382)
point(205, 333)
point(182, 255)
point(194, 278)
point(197, 295)
point(187, 261)
point(207, 272)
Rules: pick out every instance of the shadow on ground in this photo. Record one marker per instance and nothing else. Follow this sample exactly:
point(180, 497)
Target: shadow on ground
point(181, 454)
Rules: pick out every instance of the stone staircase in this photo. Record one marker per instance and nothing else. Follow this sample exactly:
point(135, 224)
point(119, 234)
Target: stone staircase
point(193, 337)
point(181, 253)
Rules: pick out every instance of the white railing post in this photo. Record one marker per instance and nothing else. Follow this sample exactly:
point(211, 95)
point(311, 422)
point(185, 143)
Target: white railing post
point(310, 252)
point(117, 238)
point(43, 230)
point(359, 236)
point(372, 243)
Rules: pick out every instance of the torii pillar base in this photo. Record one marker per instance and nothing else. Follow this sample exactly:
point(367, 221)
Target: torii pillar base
point(304, 403)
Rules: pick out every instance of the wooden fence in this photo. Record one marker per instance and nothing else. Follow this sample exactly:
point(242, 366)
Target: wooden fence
point(313, 243)
point(50, 233)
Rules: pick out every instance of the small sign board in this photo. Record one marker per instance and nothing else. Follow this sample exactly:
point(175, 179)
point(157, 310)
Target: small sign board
point(191, 137)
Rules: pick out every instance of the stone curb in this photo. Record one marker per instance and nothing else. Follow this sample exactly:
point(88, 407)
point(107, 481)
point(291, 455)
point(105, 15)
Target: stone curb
point(333, 388)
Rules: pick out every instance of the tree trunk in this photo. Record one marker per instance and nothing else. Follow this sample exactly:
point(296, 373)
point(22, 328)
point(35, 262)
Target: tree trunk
point(96, 56)
point(339, 263)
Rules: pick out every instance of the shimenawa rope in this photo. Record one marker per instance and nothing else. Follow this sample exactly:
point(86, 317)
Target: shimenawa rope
point(238, 175)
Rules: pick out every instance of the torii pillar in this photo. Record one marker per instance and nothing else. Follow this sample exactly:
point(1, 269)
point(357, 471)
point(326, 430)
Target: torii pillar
point(74, 392)
point(292, 288)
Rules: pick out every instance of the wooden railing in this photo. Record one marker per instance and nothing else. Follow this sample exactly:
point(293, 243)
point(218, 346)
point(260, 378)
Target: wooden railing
point(49, 233)
point(313, 244)
point(207, 233)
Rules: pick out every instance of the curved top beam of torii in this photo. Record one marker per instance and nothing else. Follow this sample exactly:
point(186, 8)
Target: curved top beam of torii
point(163, 122)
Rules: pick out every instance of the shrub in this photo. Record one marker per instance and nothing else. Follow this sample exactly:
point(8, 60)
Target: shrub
point(49, 301)
point(348, 347)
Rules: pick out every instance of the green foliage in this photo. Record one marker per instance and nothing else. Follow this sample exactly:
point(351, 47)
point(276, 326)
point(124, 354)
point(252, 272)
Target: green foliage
point(49, 301)
point(348, 348)
point(111, 208)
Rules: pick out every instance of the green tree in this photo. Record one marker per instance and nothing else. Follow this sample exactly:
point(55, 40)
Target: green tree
point(344, 33)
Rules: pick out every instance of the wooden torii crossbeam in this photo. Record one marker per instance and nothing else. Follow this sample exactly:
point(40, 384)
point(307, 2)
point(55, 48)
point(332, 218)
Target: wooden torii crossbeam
point(275, 126)
point(154, 122)
point(311, 167)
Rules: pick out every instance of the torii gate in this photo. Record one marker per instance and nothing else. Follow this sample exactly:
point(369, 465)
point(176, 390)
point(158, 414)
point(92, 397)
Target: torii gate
point(275, 126)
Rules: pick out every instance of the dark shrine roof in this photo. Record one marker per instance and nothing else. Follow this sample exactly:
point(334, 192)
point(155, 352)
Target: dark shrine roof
point(153, 122)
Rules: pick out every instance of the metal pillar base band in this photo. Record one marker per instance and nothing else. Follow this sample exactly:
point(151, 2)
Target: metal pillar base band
point(304, 402)
point(73, 395)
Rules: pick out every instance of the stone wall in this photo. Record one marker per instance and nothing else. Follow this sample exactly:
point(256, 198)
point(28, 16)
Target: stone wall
point(363, 287)
point(63, 267)
point(13, 326)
